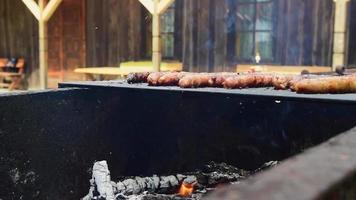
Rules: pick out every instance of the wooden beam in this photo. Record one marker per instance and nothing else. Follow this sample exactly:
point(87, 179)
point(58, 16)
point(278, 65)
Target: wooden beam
point(50, 8)
point(43, 13)
point(43, 47)
point(163, 5)
point(340, 32)
point(149, 5)
point(33, 7)
point(156, 38)
point(156, 8)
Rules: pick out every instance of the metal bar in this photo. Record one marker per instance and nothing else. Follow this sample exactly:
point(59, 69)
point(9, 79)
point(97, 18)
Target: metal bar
point(269, 93)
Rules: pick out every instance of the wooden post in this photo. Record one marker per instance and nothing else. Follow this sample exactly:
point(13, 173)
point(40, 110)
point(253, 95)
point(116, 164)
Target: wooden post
point(156, 8)
point(43, 47)
point(43, 13)
point(340, 30)
point(156, 38)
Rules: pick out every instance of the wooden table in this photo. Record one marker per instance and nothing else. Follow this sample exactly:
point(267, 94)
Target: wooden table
point(99, 73)
point(283, 69)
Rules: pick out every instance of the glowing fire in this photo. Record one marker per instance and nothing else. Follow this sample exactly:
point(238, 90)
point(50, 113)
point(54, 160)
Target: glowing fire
point(186, 189)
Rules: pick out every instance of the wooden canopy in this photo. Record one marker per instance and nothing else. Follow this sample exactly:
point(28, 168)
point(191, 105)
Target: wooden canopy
point(42, 13)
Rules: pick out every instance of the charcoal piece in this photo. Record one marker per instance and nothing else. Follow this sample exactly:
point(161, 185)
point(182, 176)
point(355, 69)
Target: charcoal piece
point(173, 181)
point(190, 180)
point(156, 181)
point(121, 197)
point(120, 186)
point(114, 186)
point(216, 178)
point(202, 179)
point(136, 188)
point(156, 197)
point(223, 168)
point(164, 185)
point(202, 191)
point(132, 187)
point(166, 197)
point(150, 185)
point(141, 182)
point(181, 177)
point(267, 165)
point(198, 196)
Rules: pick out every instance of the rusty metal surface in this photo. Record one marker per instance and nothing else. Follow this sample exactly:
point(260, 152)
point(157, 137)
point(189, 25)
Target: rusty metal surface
point(323, 172)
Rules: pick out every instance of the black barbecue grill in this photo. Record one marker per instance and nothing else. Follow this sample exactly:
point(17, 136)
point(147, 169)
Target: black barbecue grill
point(51, 139)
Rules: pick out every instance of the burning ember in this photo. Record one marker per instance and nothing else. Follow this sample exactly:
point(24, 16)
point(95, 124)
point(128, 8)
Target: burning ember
point(186, 189)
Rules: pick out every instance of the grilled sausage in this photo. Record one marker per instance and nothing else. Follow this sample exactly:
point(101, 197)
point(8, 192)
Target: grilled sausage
point(153, 78)
point(249, 81)
point(172, 78)
point(197, 80)
point(344, 84)
point(220, 78)
point(138, 77)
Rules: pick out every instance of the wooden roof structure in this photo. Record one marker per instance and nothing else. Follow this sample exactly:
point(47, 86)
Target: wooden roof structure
point(43, 11)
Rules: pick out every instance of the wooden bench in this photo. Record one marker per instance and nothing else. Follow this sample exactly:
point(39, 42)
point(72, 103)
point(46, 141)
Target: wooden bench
point(11, 77)
point(283, 69)
point(125, 68)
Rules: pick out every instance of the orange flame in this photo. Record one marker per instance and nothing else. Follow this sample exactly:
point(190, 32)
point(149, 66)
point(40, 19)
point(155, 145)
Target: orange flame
point(186, 189)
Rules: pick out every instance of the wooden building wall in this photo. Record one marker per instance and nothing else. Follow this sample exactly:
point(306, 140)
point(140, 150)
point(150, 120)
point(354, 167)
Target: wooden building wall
point(205, 33)
point(66, 41)
point(19, 36)
point(113, 31)
point(352, 39)
point(305, 34)
point(303, 37)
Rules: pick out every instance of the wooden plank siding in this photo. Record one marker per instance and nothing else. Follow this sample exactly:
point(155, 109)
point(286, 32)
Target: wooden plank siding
point(303, 33)
point(19, 36)
point(113, 32)
point(66, 41)
point(205, 35)
point(190, 35)
point(305, 37)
